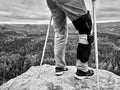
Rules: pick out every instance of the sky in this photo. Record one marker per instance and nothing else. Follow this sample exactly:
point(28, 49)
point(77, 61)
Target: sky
point(26, 10)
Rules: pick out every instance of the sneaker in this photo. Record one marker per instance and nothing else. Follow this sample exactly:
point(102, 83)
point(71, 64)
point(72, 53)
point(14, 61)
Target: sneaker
point(59, 71)
point(81, 75)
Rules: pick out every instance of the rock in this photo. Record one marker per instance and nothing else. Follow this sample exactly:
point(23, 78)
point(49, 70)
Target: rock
point(48, 81)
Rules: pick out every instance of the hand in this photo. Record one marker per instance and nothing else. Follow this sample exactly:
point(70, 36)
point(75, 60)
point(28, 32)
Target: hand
point(93, 0)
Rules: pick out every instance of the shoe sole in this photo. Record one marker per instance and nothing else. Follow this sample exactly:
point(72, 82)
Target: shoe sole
point(82, 77)
point(59, 73)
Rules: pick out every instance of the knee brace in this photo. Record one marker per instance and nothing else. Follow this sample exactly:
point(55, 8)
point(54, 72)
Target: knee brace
point(83, 52)
point(86, 39)
point(83, 24)
point(90, 38)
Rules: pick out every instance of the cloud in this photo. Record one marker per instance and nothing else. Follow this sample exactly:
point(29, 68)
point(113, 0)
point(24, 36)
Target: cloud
point(38, 10)
point(28, 9)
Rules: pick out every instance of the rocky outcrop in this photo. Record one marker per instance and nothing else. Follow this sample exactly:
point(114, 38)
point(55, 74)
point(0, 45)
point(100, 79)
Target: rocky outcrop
point(47, 80)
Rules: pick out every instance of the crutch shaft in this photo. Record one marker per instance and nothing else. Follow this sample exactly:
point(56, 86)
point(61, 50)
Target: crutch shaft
point(96, 44)
point(48, 29)
point(43, 53)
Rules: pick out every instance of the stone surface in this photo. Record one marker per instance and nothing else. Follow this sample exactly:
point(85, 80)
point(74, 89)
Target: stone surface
point(30, 80)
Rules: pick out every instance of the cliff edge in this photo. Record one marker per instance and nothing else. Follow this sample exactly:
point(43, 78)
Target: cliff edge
point(48, 81)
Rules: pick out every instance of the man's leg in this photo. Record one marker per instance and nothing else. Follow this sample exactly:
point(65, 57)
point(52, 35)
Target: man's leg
point(80, 17)
point(83, 24)
point(60, 28)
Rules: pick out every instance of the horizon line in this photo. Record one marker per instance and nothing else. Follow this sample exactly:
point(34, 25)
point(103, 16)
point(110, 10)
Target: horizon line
point(47, 22)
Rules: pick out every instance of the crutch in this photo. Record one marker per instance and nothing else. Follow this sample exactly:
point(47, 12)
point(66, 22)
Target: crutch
point(43, 53)
point(96, 44)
